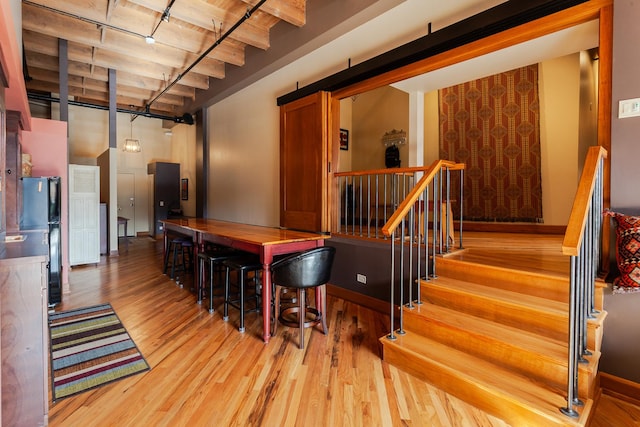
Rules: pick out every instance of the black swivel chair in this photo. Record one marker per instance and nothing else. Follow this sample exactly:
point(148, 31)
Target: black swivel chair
point(301, 271)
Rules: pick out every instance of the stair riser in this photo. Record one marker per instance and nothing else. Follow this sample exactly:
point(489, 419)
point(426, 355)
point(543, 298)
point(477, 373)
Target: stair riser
point(550, 325)
point(502, 406)
point(536, 365)
point(527, 283)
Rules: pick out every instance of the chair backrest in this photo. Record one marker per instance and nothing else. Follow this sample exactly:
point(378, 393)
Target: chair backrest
point(306, 269)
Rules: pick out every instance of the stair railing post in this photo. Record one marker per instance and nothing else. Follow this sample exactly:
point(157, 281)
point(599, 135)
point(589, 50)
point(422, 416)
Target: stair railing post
point(447, 210)
point(400, 330)
point(428, 265)
point(391, 335)
point(461, 202)
point(434, 226)
point(573, 358)
point(412, 228)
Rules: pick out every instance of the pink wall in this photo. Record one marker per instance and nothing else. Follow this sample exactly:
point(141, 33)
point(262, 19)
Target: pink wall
point(48, 146)
point(16, 93)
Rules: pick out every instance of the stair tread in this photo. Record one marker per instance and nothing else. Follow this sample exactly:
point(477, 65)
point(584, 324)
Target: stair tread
point(511, 335)
point(494, 379)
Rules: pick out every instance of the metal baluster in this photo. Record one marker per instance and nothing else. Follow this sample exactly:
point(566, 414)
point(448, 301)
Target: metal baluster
point(391, 335)
point(368, 205)
point(433, 227)
point(461, 201)
point(377, 204)
point(573, 358)
point(401, 330)
point(412, 228)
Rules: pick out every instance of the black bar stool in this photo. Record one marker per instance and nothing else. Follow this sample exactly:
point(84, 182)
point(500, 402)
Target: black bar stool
point(302, 271)
point(180, 256)
point(213, 259)
point(244, 265)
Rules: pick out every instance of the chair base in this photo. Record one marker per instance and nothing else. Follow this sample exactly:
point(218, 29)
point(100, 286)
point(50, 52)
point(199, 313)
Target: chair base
point(284, 317)
point(301, 310)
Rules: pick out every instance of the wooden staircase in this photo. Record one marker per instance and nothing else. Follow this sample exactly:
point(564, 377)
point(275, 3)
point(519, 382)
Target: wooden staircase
point(497, 339)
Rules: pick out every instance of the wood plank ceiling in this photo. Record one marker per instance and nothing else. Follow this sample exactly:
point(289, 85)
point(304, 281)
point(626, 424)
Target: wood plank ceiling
point(193, 44)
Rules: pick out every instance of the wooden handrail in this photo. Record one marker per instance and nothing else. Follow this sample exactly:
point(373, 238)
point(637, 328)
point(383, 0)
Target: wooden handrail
point(415, 193)
point(578, 218)
point(387, 171)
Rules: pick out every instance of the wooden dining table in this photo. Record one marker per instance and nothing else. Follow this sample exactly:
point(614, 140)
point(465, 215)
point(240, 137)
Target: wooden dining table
point(262, 240)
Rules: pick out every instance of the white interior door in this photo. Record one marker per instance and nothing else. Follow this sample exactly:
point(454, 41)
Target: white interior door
point(84, 214)
point(127, 202)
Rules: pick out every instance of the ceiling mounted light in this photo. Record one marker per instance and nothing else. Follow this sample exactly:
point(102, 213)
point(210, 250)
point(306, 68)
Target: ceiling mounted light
point(165, 16)
point(150, 40)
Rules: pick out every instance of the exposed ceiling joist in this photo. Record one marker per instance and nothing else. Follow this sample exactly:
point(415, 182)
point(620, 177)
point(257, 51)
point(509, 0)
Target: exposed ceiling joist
point(111, 34)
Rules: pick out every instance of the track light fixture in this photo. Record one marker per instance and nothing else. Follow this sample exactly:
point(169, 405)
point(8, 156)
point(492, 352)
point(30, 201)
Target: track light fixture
point(149, 39)
point(166, 15)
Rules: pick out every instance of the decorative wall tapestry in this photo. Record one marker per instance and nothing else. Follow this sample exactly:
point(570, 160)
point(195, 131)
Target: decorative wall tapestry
point(492, 125)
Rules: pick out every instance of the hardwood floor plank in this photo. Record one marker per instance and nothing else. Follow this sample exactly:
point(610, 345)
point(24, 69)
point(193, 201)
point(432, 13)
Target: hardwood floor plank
point(205, 373)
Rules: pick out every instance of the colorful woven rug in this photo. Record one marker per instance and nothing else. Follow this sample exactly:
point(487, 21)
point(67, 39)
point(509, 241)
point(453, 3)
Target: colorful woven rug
point(90, 347)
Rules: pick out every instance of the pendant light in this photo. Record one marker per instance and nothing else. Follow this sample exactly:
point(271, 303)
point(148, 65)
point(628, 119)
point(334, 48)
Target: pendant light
point(131, 145)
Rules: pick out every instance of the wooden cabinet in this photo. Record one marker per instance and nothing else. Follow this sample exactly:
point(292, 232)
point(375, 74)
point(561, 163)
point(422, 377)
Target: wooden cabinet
point(24, 335)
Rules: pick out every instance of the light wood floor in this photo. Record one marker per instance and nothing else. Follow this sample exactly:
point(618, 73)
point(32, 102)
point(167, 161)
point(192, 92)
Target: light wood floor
point(205, 373)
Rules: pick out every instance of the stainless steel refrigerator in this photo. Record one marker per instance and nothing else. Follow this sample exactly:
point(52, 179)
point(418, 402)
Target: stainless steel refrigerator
point(41, 205)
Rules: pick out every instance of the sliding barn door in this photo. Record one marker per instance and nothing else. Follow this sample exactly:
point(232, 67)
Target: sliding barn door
point(306, 128)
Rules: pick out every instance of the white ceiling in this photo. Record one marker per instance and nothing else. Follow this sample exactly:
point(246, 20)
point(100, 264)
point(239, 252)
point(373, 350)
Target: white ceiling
point(565, 42)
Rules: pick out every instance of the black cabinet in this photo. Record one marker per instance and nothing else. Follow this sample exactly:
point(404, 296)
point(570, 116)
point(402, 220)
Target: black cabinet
point(164, 194)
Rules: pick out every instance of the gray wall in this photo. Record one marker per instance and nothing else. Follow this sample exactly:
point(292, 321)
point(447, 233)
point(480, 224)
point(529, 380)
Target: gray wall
point(621, 342)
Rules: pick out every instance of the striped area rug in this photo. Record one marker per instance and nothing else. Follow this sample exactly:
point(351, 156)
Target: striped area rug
point(90, 347)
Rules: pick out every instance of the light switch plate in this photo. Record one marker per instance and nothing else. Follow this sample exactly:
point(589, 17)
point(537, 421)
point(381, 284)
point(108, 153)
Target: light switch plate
point(629, 108)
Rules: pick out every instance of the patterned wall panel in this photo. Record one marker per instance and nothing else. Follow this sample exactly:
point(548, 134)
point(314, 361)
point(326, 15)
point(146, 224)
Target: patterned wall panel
point(492, 125)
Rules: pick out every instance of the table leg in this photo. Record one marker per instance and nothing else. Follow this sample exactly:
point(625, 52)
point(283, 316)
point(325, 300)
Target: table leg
point(166, 242)
point(267, 257)
point(266, 302)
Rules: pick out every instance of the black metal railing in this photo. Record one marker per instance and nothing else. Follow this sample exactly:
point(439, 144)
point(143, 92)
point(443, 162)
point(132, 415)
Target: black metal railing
point(582, 242)
point(420, 228)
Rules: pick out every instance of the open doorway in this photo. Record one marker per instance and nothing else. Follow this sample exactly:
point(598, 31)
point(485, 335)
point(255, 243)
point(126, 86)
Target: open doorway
point(127, 203)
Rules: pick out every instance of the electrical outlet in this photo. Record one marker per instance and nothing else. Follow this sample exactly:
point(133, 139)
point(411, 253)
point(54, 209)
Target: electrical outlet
point(361, 278)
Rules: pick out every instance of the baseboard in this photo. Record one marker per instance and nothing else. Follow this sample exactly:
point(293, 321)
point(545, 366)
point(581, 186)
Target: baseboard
point(358, 298)
point(620, 388)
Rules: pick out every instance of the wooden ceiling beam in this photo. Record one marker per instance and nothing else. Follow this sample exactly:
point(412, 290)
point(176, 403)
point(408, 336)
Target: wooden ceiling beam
point(102, 98)
point(39, 60)
point(291, 11)
point(84, 82)
point(118, 42)
point(202, 14)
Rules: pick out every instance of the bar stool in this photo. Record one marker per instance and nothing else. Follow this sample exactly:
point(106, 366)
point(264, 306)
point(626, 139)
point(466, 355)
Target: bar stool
point(243, 265)
point(179, 255)
point(213, 259)
point(302, 271)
